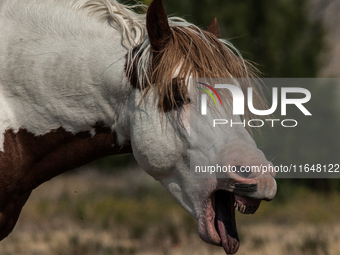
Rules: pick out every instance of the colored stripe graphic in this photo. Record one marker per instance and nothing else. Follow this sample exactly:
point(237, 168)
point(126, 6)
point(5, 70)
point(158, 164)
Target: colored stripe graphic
point(208, 92)
point(213, 91)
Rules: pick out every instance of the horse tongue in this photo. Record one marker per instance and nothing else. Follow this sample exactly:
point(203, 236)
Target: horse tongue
point(225, 221)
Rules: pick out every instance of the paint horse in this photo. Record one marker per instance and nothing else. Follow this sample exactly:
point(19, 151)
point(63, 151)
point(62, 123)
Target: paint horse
point(84, 79)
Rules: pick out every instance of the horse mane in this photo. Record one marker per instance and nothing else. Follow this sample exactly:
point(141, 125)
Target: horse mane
point(122, 17)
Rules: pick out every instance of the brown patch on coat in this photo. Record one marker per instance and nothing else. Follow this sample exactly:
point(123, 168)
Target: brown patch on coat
point(28, 160)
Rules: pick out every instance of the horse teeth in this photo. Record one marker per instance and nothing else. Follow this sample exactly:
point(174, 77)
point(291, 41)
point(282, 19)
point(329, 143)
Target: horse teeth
point(242, 208)
point(246, 210)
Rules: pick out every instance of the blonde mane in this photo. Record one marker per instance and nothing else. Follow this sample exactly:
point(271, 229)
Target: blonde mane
point(122, 17)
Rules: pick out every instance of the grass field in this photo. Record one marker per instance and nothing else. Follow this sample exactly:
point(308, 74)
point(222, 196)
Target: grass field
point(86, 212)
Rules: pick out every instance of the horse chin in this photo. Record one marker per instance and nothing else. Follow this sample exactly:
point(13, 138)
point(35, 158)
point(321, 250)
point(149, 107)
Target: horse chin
point(217, 224)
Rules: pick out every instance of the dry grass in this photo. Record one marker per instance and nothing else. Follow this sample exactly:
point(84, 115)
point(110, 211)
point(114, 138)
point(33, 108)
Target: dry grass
point(130, 213)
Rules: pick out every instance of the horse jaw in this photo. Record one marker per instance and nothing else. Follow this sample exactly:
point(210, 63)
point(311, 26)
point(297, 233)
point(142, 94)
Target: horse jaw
point(161, 146)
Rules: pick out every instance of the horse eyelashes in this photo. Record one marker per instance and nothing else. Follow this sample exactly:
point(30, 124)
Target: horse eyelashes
point(179, 102)
point(178, 96)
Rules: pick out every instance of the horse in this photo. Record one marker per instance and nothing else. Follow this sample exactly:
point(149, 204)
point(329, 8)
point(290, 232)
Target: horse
point(84, 79)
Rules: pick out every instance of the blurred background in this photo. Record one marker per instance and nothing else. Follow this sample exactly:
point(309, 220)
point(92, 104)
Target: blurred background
point(112, 207)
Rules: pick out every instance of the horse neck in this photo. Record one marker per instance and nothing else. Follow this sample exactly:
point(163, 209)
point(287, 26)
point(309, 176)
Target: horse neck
point(63, 103)
point(70, 87)
point(67, 72)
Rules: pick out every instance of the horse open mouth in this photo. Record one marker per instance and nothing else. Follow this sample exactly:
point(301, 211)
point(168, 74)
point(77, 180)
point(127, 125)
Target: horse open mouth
point(219, 219)
point(224, 205)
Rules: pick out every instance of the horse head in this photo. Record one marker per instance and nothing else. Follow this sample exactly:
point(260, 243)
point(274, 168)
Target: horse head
point(162, 138)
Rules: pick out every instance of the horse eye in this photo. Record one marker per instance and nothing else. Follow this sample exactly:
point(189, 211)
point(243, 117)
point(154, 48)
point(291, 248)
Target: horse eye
point(179, 102)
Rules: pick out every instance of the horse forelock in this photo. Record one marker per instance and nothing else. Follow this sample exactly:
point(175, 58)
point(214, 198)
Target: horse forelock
point(190, 53)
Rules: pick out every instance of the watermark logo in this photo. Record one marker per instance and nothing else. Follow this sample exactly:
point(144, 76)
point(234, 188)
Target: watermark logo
point(239, 103)
point(204, 97)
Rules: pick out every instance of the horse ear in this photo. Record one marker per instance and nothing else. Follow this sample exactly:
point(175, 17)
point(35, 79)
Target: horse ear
point(213, 28)
point(157, 25)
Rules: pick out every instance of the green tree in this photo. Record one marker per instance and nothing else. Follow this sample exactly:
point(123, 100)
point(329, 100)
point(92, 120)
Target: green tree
point(277, 35)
